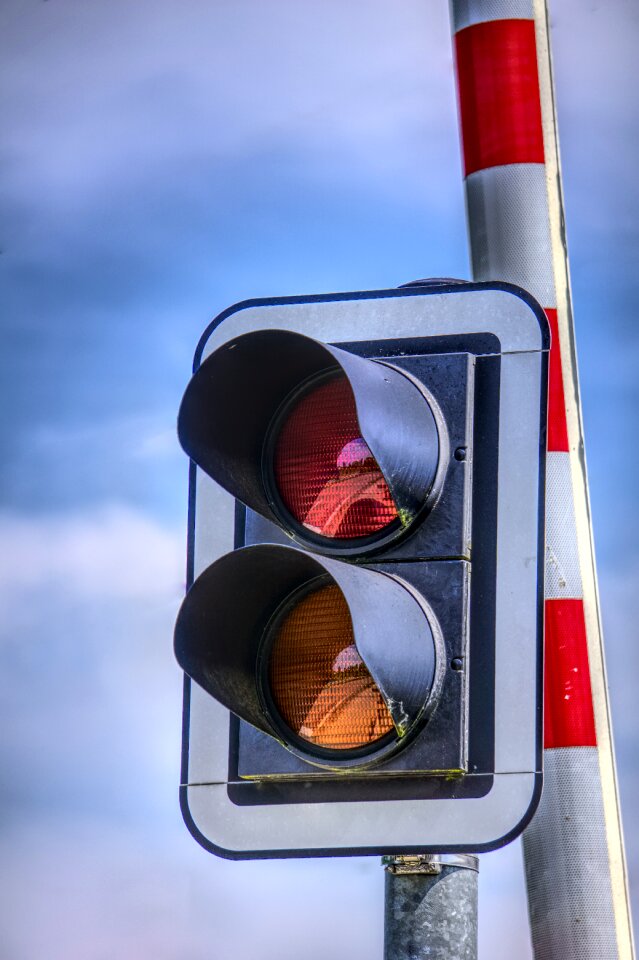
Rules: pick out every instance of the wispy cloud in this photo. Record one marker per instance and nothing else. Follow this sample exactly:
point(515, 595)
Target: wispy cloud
point(109, 553)
point(89, 688)
point(122, 89)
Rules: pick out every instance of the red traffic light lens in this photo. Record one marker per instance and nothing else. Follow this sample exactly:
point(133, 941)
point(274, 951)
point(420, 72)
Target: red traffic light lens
point(317, 680)
point(324, 472)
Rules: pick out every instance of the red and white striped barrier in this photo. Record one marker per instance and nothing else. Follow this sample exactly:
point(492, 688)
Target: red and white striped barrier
point(577, 888)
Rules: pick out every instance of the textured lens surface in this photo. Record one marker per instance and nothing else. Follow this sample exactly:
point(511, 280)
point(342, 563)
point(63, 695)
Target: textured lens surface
point(320, 686)
point(326, 475)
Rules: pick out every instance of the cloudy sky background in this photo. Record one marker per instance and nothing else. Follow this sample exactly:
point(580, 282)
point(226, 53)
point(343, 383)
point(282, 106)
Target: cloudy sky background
point(159, 161)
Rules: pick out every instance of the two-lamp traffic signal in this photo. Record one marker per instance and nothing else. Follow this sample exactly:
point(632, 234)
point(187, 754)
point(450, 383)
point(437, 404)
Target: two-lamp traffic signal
point(366, 558)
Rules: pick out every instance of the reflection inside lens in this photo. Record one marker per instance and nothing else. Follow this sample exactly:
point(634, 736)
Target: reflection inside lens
point(319, 683)
point(325, 473)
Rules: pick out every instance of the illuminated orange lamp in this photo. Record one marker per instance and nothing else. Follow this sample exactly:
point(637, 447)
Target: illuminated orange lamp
point(319, 683)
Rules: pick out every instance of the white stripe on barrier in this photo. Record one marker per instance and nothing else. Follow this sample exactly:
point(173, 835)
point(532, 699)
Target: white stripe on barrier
point(563, 575)
point(567, 867)
point(465, 13)
point(510, 230)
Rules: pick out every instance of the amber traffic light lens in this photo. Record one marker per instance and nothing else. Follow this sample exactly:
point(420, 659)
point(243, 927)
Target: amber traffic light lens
point(319, 683)
point(325, 474)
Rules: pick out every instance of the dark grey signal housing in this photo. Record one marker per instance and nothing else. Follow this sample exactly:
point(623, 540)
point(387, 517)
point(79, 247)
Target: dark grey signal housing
point(223, 624)
point(250, 380)
point(420, 668)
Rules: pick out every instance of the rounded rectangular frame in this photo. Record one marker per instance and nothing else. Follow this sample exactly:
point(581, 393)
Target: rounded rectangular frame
point(413, 825)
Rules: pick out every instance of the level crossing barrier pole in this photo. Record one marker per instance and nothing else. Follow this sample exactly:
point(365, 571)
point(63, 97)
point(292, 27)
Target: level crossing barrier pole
point(575, 864)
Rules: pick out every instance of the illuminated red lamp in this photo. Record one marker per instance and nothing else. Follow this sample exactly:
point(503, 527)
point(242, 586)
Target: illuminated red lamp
point(325, 474)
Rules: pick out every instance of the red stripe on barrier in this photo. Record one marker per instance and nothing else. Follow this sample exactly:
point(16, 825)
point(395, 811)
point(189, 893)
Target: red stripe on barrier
point(557, 426)
point(568, 713)
point(498, 86)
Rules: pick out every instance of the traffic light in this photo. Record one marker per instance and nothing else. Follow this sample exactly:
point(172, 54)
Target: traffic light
point(364, 620)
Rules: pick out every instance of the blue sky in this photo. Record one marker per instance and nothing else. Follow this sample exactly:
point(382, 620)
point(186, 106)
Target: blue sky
point(159, 162)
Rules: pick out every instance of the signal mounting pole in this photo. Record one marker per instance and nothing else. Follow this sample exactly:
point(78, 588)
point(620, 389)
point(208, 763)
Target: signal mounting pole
point(430, 907)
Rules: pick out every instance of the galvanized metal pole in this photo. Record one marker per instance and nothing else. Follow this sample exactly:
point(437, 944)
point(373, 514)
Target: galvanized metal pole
point(430, 907)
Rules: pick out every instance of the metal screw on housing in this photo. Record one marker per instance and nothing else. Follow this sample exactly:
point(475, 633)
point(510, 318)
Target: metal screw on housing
point(430, 907)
